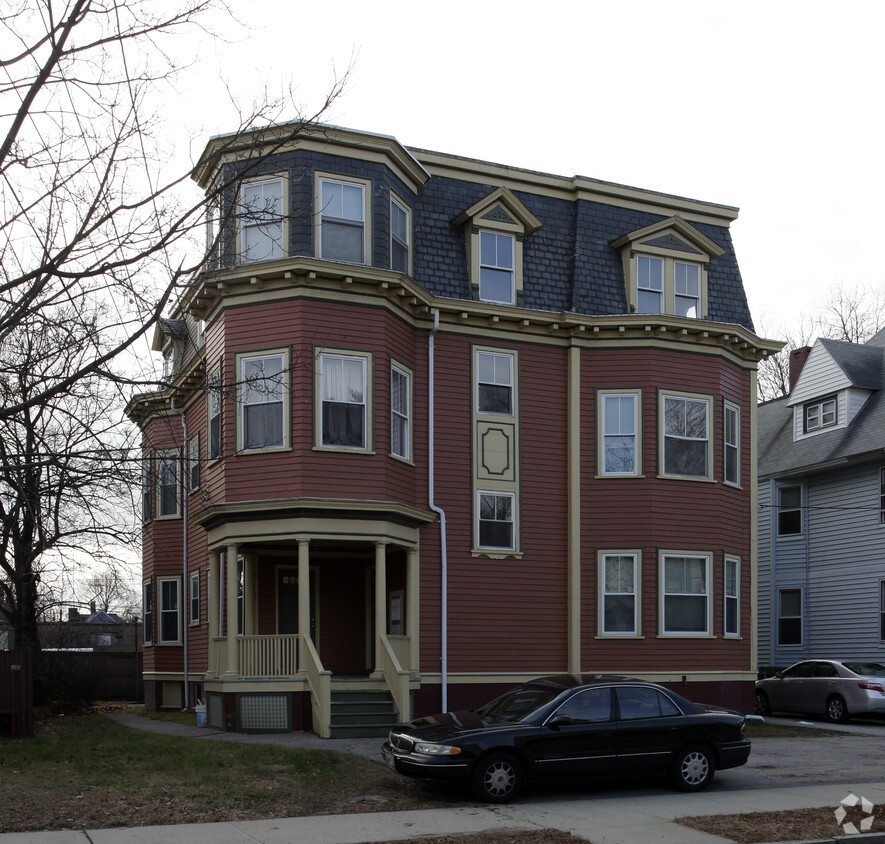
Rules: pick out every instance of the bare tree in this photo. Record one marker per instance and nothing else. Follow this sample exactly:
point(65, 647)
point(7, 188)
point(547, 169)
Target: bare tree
point(774, 372)
point(110, 591)
point(95, 241)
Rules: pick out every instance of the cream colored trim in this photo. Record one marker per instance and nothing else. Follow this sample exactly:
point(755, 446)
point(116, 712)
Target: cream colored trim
point(526, 222)
point(368, 359)
point(709, 556)
point(663, 394)
point(574, 509)
point(409, 456)
point(283, 179)
point(727, 405)
point(601, 395)
point(158, 610)
point(601, 554)
point(159, 455)
point(404, 206)
point(754, 524)
point(338, 178)
point(737, 559)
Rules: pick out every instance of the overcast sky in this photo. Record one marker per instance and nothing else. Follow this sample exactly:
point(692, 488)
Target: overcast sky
point(774, 107)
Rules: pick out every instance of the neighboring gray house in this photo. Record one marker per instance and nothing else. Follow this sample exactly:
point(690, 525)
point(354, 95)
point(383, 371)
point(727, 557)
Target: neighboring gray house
point(821, 459)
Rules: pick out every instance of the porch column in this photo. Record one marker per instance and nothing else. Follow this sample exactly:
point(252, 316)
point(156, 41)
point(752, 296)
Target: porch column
point(413, 616)
point(303, 602)
point(380, 597)
point(213, 596)
point(233, 663)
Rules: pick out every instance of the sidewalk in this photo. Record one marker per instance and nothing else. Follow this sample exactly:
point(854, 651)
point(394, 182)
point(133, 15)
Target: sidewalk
point(626, 818)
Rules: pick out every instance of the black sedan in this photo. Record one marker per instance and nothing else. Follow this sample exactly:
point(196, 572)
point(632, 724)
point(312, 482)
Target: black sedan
point(569, 728)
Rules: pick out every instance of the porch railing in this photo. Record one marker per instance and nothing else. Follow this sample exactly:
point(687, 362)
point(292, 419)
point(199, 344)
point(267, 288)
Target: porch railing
point(268, 656)
point(320, 681)
point(396, 677)
point(400, 645)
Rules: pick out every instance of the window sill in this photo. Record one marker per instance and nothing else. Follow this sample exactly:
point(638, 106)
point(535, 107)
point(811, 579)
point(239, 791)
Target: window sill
point(407, 460)
point(246, 452)
point(620, 477)
point(629, 637)
point(703, 635)
point(343, 449)
point(696, 478)
point(496, 554)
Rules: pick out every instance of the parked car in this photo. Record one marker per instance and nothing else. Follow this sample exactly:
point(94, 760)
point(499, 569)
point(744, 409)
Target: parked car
point(835, 688)
point(568, 728)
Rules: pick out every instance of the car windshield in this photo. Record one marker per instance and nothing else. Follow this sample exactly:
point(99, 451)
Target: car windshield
point(518, 704)
point(868, 669)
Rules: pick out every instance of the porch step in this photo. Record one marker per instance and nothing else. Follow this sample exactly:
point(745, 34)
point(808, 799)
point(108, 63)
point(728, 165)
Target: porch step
point(365, 713)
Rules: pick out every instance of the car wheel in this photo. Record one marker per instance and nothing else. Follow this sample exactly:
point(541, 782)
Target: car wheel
point(497, 778)
point(693, 768)
point(836, 709)
point(762, 705)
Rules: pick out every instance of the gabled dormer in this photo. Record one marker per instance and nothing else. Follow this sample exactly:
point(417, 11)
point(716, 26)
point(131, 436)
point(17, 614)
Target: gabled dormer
point(665, 268)
point(835, 383)
point(496, 228)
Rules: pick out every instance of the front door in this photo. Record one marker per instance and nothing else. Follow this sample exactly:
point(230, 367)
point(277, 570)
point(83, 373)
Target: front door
point(287, 602)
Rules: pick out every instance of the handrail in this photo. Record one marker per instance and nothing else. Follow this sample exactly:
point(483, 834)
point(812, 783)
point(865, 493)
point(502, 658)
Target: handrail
point(320, 682)
point(396, 677)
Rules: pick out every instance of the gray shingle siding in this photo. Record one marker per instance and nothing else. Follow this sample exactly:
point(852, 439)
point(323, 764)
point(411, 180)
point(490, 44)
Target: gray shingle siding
point(568, 264)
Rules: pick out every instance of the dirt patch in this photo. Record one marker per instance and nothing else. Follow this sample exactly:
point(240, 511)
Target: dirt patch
point(539, 836)
point(794, 825)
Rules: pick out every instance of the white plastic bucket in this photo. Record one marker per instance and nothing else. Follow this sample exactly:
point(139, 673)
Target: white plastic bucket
point(200, 709)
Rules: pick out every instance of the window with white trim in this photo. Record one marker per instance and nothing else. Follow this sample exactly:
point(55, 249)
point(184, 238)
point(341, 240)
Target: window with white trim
point(168, 486)
point(685, 436)
point(148, 606)
point(261, 220)
point(731, 598)
point(685, 594)
point(619, 446)
point(495, 520)
point(263, 401)
point(193, 462)
point(649, 285)
point(400, 412)
point(494, 382)
point(194, 597)
point(789, 616)
point(732, 444)
point(344, 401)
point(146, 484)
point(342, 212)
point(213, 403)
point(497, 268)
point(168, 589)
point(400, 236)
point(686, 289)
point(820, 414)
point(789, 510)
point(620, 601)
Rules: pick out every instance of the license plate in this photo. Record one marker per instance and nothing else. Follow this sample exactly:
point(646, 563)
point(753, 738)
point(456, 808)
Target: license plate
point(389, 761)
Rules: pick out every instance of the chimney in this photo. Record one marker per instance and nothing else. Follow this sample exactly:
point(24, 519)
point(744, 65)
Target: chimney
point(73, 615)
point(797, 361)
point(92, 607)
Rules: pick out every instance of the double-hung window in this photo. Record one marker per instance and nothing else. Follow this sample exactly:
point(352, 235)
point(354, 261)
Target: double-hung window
point(495, 520)
point(686, 289)
point(649, 285)
point(686, 594)
point(789, 616)
point(732, 444)
point(789, 510)
point(263, 401)
point(731, 601)
point(882, 610)
point(620, 604)
point(148, 592)
point(194, 598)
point(342, 220)
point(400, 236)
point(686, 436)
point(494, 382)
point(400, 412)
point(213, 400)
point(882, 496)
point(168, 486)
point(496, 268)
point(261, 220)
point(344, 419)
point(619, 413)
point(193, 461)
point(170, 610)
point(146, 483)
point(821, 414)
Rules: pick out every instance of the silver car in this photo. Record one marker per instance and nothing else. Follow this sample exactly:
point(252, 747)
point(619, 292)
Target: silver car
point(825, 687)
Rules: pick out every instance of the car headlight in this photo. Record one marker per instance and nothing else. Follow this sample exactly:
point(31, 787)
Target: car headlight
point(436, 749)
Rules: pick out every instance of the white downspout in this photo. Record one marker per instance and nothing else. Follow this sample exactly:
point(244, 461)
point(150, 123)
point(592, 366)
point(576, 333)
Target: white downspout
point(183, 599)
point(444, 662)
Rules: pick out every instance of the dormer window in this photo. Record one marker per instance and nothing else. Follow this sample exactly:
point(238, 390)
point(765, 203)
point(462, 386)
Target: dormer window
point(821, 414)
point(343, 221)
point(497, 227)
point(261, 221)
point(665, 268)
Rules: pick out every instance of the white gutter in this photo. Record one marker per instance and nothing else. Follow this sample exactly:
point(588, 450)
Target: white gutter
point(444, 661)
point(184, 601)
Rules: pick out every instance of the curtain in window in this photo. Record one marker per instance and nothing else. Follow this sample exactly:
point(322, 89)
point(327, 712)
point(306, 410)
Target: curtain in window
point(343, 399)
point(262, 397)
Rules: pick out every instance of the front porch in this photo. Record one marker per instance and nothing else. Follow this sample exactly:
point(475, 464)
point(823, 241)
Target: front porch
point(357, 652)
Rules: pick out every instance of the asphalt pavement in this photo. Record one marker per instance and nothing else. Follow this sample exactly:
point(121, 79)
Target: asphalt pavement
point(776, 778)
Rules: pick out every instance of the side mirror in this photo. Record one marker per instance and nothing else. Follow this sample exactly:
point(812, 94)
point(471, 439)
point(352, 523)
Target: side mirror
point(558, 721)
